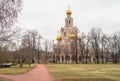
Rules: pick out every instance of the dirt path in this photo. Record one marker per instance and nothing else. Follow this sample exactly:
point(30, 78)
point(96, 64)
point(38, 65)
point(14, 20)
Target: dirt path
point(39, 73)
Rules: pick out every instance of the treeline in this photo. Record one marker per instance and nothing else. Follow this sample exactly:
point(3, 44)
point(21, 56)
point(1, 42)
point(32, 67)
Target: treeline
point(101, 47)
point(16, 45)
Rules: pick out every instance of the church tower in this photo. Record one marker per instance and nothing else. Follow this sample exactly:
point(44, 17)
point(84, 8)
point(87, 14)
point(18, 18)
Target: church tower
point(68, 20)
point(66, 40)
point(68, 30)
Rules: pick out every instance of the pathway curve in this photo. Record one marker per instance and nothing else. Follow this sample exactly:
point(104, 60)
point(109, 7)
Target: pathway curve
point(39, 73)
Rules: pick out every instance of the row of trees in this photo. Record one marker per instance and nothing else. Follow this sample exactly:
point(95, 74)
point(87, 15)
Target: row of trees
point(31, 48)
point(103, 48)
point(15, 46)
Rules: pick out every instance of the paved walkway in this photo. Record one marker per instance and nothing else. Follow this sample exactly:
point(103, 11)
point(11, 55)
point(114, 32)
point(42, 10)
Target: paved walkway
point(39, 73)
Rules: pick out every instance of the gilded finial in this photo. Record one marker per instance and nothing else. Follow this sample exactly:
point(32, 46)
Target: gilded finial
point(68, 7)
point(68, 11)
point(58, 38)
point(58, 32)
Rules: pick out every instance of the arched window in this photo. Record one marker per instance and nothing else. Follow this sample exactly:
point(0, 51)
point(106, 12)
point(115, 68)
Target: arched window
point(65, 34)
point(69, 21)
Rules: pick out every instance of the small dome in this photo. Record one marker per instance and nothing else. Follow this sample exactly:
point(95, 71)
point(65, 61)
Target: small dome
point(58, 38)
point(69, 12)
point(72, 36)
point(79, 37)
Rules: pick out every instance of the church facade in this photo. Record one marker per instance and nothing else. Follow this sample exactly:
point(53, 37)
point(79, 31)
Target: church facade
point(67, 48)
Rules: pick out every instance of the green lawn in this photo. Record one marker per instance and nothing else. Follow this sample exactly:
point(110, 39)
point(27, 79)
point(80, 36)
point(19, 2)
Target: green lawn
point(16, 70)
point(63, 71)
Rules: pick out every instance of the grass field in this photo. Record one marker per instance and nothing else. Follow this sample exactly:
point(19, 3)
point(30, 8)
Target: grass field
point(89, 71)
point(16, 70)
point(4, 79)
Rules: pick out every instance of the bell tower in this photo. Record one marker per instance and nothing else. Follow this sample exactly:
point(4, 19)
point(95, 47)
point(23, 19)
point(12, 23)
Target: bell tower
point(68, 20)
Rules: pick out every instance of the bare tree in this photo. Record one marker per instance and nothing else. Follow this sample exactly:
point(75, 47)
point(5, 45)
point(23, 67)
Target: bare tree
point(115, 48)
point(87, 49)
point(4, 54)
point(31, 45)
point(82, 47)
point(39, 48)
point(95, 42)
point(9, 10)
point(46, 50)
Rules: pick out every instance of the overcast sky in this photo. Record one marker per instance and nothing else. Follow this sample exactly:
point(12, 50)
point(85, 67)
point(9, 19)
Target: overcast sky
point(47, 16)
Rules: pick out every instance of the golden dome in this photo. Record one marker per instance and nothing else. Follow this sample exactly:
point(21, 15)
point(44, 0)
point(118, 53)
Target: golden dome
point(69, 12)
point(72, 36)
point(58, 38)
point(79, 37)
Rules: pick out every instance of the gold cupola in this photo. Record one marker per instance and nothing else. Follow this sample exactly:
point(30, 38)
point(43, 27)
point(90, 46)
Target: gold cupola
point(68, 12)
point(79, 37)
point(72, 36)
point(58, 38)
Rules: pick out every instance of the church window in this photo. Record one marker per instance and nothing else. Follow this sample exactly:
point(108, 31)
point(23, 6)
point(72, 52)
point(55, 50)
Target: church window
point(65, 34)
point(69, 21)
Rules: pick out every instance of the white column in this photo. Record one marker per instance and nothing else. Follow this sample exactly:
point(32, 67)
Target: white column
point(60, 59)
